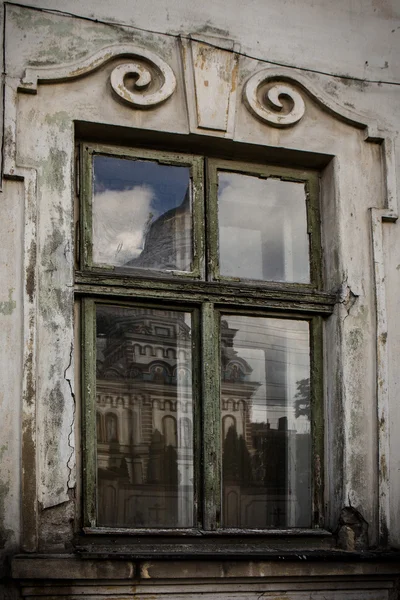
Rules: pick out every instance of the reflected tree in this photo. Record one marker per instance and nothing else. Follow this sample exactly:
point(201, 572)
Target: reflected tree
point(302, 398)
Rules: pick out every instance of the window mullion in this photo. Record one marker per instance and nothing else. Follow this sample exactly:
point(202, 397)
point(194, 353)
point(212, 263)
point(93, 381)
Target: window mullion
point(89, 411)
point(212, 220)
point(317, 420)
point(198, 218)
point(211, 417)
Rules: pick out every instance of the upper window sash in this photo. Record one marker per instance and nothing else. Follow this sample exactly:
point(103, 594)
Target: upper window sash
point(106, 211)
point(263, 224)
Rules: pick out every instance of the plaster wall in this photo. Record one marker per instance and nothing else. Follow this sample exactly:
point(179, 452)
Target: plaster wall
point(357, 39)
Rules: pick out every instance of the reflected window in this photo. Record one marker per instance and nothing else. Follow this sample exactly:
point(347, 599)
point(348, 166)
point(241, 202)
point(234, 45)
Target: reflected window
point(99, 428)
point(111, 428)
point(169, 431)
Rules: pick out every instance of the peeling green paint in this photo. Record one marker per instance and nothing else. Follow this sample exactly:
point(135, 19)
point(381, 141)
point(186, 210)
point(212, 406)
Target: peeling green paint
point(7, 307)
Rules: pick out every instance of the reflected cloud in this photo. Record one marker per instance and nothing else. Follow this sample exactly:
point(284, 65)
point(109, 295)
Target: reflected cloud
point(120, 221)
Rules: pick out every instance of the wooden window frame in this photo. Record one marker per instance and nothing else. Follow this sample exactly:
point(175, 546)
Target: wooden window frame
point(206, 299)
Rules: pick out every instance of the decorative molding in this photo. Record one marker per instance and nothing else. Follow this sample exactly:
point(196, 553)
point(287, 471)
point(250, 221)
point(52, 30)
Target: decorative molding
point(211, 82)
point(282, 81)
point(151, 72)
point(388, 214)
point(143, 81)
point(266, 104)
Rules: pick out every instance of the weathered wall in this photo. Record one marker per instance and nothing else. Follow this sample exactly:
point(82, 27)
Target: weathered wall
point(353, 39)
point(10, 350)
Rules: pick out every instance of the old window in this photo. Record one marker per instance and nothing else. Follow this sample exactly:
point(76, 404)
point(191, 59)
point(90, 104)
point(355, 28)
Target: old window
point(202, 303)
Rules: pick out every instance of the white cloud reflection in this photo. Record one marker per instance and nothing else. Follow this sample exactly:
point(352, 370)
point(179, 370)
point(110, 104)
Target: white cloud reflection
point(120, 221)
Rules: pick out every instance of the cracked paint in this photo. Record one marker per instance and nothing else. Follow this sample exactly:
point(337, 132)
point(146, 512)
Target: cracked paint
point(71, 459)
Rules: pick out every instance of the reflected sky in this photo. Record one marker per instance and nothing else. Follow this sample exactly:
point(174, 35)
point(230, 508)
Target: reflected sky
point(129, 196)
point(262, 228)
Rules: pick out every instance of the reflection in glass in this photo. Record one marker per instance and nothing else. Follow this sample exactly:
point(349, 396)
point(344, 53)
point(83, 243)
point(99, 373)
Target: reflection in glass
point(144, 418)
point(265, 402)
point(262, 228)
point(141, 214)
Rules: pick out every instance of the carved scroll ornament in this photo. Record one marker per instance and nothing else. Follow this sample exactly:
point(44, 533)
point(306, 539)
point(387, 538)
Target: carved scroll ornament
point(159, 74)
point(145, 81)
point(263, 96)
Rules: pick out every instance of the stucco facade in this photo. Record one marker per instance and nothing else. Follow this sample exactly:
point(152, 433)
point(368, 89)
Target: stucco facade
point(304, 85)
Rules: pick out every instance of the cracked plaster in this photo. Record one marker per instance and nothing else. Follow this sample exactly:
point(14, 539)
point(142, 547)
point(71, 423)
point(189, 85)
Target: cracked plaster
point(53, 168)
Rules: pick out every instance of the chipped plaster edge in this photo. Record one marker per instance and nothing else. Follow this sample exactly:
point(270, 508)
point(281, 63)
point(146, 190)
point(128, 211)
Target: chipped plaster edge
point(389, 214)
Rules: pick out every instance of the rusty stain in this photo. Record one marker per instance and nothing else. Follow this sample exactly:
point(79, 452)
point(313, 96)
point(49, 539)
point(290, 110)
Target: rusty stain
point(145, 570)
point(235, 71)
point(383, 468)
point(29, 393)
point(206, 83)
point(30, 272)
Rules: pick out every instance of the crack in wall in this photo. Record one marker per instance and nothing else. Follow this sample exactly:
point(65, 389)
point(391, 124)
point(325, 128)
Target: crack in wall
point(68, 380)
point(347, 298)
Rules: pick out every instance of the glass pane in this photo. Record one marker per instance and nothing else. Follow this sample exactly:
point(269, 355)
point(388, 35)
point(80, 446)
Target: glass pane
point(142, 214)
point(144, 417)
point(262, 228)
point(266, 463)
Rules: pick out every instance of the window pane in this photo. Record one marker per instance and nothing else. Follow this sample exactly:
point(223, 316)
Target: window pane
point(265, 381)
point(262, 228)
point(142, 214)
point(144, 417)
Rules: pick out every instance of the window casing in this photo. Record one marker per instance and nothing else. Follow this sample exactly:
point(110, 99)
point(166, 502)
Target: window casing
point(209, 468)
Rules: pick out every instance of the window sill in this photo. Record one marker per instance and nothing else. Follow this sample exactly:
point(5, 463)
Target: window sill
point(271, 545)
point(201, 533)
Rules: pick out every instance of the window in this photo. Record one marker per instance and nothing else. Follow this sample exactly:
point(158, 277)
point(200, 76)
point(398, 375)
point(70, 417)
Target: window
point(202, 303)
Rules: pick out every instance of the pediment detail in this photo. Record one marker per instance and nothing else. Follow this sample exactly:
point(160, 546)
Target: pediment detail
point(277, 97)
point(211, 74)
point(152, 81)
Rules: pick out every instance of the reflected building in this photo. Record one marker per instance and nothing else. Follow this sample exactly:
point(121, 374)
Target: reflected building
point(145, 454)
point(145, 409)
point(144, 418)
point(168, 240)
